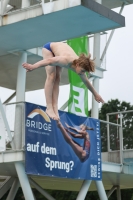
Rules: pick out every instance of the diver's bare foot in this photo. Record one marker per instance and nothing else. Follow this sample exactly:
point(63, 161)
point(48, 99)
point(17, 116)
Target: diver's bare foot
point(51, 114)
point(56, 112)
point(58, 123)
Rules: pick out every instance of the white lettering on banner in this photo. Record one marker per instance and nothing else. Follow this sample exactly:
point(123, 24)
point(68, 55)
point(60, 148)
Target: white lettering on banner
point(38, 125)
point(48, 150)
point(33, 147)
point(44, 149)
point(52, 164)
point(80, 101)
point(98, 150)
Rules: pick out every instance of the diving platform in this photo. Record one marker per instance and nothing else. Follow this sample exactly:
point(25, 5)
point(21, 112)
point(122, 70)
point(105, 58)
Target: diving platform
point(24, 28)
point(28, 28)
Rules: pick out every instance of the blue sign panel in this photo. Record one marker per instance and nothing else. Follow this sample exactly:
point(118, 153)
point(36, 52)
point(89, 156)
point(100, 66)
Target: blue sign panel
point(69, 148)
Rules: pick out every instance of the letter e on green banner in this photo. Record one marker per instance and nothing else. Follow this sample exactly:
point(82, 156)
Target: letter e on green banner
point(78, 97)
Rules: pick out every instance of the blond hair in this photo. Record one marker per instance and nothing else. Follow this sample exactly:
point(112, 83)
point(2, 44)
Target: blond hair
point(85, 62)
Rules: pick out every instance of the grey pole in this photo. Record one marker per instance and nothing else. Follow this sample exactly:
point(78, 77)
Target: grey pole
point(20, 96)
point(13, 190)
point(108, 135)
point(118, 193)
point(111, 191)
point(101, 190)
point(24, 181)
point(96, 54)
point(10, 98)
point(64, 106)
point(43, 192)
point(95, 113)
point(4, 5)
point(83, 191)
point(18, 131)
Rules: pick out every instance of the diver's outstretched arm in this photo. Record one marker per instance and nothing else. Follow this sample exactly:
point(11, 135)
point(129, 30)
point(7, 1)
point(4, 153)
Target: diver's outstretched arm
point(54, 61)
point(73, 134)
point(73, 128)
point(85, 80)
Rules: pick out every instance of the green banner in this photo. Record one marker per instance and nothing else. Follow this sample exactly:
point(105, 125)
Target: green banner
point(78, 98)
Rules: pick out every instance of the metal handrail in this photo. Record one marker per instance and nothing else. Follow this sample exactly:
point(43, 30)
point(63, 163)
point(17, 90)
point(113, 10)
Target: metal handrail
point(106, 122)
point(120, 131)
point(128, 111)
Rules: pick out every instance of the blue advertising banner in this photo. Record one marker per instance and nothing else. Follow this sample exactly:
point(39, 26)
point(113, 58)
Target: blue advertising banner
point(69, 148)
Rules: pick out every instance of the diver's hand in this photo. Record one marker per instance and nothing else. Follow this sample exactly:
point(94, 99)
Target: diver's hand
point(98, 98)
point(28, 67)
point(67, 125)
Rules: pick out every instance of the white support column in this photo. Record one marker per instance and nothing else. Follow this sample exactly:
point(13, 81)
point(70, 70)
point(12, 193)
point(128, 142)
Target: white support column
point(84, 189)
point(95, 112)
point(108, 135)
point(20, 96)
point(4, 4)
point(13, 190)
point(118, 193)
point(121, 139)
point(21, 78)
point(96, 54)
point(101, 190)
point(19, 126)
point(25, 3)
point(27, 191)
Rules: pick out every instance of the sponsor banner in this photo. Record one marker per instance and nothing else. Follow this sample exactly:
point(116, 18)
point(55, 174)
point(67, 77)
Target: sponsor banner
point(78, 97)
point(68, 149)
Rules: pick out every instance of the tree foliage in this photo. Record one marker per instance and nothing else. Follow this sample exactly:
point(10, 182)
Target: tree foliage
point(127, 123)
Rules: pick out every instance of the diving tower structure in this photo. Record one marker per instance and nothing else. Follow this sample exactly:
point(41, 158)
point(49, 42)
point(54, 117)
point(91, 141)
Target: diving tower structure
point(24, 27)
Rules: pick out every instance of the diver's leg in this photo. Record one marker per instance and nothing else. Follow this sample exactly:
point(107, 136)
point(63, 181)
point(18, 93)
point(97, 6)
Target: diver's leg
point(77, 149)
point(49, 84)
point(56, 90)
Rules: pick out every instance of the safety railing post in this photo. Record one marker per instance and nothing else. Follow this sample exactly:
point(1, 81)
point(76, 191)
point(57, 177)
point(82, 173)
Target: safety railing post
point(121, 139)
point(108, 135)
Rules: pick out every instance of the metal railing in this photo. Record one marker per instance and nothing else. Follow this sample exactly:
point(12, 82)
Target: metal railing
point(117, 138)
point(120, 120)
point(105, 138)
point(12, 5)
point(13, 118)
